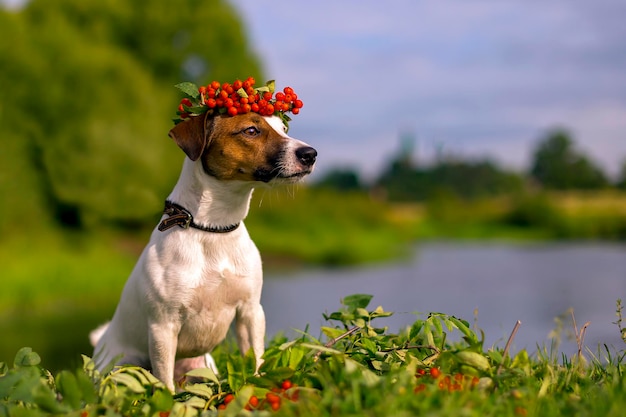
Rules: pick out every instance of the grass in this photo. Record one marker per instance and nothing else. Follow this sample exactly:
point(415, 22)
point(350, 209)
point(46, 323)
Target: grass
point(353, 368)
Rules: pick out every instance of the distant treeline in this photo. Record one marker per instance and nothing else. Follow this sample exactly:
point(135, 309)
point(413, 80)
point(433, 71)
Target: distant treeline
point(556, 165)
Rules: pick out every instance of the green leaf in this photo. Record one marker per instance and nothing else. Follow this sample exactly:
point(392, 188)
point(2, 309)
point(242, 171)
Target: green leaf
point(162, 400)
point(196, 402)
point(473, 359)
point(271, 86)
point(46, 400)
point(321, 348)
point(369, 345)
point(129, 381)
point(205, 373)
point(197, 110)
point(332, 332)
point(86, 386)
point(189, 89)
point(522, 361)
point(355, 301)
point(464, 328)
point(202, 390)
point(242, 93)
point(67, 385)
point(280, 374)
point(26, 357)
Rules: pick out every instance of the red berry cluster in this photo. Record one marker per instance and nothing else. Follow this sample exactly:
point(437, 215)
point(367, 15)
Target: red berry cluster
point(457, 382)
point(272, 400)
point(240, 97)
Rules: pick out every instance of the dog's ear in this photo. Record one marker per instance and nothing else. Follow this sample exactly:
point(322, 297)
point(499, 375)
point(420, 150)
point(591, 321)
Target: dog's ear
point(192, 135)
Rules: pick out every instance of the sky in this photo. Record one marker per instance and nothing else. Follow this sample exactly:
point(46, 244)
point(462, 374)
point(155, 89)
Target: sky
point(472, 78)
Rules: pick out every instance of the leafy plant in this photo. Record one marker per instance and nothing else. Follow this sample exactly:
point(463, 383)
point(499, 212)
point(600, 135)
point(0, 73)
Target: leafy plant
point(438, 365)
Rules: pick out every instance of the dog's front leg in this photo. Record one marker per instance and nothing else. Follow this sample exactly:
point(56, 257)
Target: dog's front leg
point(250, 330)
point(163, 338)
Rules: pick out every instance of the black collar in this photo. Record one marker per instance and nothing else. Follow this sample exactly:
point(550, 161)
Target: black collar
point(180, 216)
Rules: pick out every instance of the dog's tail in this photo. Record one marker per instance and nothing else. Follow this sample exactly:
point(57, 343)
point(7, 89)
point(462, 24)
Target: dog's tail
point(97, 333)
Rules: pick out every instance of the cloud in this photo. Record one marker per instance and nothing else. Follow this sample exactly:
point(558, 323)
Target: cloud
point(483, 77)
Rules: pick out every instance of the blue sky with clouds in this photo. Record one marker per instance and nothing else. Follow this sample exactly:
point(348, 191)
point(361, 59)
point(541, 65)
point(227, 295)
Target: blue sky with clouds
point(471, 77)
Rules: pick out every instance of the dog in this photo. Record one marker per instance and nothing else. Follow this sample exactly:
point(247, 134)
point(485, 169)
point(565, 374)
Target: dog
point(200, 270)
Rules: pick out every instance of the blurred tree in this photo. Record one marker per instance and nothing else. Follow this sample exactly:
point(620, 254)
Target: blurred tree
point(557, 165)
point(621, 179)
point(405, 181)
point(88, 99)
point(341, 180)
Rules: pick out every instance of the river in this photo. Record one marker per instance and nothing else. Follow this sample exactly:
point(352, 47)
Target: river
point(490, 284)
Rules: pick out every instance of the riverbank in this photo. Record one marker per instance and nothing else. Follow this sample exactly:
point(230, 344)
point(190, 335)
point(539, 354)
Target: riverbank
point(58, 285)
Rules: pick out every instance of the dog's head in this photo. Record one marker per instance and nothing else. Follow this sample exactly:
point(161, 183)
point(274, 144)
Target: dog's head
point(247, 147)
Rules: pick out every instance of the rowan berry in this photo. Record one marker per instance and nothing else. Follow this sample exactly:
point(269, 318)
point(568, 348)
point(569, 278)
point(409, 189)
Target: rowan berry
point(288, 90)
point(215, 85)
point(419, 388)
point(186, 102)
point(228, 398)
point(202, 89)
point(280, 96)
point(267, 96)
point(272, 396)
point(295, 110)
point(237, 84)
point(211, 103)
point(420, 372)
point(288, 98)
point(435, 372)
point(270, 109)
point(254, 401)
point(286, 384)
point(254, 107)
point(298, 104)
point(232, 111)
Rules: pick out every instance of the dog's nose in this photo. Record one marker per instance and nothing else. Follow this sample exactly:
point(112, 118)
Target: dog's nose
point(306, 155)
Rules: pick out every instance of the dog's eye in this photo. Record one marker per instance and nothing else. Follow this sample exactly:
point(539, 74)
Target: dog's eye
point(251, 131)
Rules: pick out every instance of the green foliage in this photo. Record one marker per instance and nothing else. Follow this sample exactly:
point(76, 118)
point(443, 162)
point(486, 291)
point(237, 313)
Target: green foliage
point(360, 369)
point(465, 179)
point(321, 226)
point(88, 99)
point(557, 165)
point(341, 180)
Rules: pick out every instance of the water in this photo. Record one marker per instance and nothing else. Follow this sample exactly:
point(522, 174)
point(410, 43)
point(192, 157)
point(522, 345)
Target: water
point(494, 284)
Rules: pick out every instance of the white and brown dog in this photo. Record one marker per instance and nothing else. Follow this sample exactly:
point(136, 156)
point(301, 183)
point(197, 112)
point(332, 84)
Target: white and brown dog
point(192, 281)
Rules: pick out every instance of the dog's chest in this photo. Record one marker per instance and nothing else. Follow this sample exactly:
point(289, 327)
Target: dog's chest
point(210, 311)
